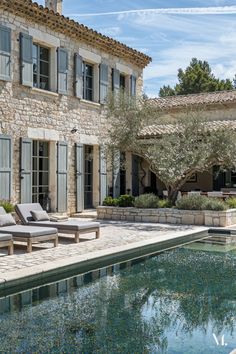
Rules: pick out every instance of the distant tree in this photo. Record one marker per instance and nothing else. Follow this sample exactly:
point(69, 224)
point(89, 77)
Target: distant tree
point(167, 91)
point(196, 78)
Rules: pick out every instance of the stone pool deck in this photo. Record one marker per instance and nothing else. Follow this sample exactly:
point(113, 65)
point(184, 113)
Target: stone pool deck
point(117, 238)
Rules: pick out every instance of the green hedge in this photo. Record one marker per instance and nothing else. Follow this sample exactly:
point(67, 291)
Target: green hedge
point(146, 201)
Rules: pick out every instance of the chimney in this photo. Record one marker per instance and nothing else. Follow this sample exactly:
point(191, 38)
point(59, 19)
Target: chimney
point(55, 5)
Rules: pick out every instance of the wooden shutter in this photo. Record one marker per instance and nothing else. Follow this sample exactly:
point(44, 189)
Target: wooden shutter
point(132, 85)
point(79, 158)
point(116, 174)
point(62, 66)
point(26, 170)
point(62, 172)
point(5, 53)
point(78, 84)
point(26, 58)
point(103, 175)
point(5, 167)
point(103, 83)
point(115, 80)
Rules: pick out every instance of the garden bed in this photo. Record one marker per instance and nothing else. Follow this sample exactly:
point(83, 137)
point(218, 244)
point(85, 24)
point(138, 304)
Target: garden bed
point(169, 215)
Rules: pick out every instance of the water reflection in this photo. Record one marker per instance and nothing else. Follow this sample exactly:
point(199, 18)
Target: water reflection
point(173, 303)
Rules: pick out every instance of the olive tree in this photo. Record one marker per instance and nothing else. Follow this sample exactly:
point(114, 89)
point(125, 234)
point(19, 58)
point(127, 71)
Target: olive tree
point(176, 149)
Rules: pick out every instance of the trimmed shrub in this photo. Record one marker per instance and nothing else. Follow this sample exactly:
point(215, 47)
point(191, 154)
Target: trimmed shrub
point(231, 203)
point(191, 202)
point(164, 203)
point(9, 208)
point(125, 201)
point(214, 204)
point(199, 202)
point(109, 201)
point(149, 200)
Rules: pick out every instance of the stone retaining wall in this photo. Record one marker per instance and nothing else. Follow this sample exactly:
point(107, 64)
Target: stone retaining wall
point(171, 216)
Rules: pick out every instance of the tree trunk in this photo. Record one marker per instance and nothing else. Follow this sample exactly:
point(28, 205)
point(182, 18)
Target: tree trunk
point(172, 195)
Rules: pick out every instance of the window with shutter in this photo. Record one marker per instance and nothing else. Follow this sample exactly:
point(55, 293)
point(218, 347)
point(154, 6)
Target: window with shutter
point(41, 67)
point(103, 82)
point(132, 85)
point(88, 85)
point(62, 71)
point(5, 53)
point(78, 84)
point(115, 80)
point(5, 167)
point(26, 58)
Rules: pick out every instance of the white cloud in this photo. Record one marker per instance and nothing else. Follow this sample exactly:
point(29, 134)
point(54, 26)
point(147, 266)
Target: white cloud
point(176, 11)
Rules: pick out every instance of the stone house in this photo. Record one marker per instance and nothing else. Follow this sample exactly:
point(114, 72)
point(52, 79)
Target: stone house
point(54, 78)
point(219, 107)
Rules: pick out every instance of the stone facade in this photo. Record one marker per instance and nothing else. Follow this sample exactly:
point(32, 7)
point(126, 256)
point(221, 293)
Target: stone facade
point(48, 116)
point(170, 216)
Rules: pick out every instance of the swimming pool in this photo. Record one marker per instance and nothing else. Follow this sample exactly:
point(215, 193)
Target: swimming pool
point(180, 301)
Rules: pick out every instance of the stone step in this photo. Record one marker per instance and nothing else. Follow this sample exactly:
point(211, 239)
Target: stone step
point(86, 214)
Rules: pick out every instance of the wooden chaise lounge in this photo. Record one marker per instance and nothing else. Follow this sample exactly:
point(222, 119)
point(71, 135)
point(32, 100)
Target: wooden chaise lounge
point(28, 234)
point(73, 226)
point(6, 240)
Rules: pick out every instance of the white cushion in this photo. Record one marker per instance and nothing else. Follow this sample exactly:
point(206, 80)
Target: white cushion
point(40, 215)
point(7, 220)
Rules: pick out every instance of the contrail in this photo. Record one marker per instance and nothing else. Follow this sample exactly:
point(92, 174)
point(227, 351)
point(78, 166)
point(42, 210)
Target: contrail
point(220, 10)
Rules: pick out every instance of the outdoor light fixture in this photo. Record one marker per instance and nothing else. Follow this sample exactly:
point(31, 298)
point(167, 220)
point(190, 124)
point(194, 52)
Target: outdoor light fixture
point(74, 130)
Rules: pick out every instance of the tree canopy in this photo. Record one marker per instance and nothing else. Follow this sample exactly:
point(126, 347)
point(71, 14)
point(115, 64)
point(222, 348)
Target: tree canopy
point(190, 146)
point(196, 78)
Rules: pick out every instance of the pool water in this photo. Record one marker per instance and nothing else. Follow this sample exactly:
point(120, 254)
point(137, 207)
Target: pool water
point(180, 301)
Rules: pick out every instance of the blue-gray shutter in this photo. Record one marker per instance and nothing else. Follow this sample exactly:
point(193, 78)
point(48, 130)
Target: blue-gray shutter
point(115, 80)
point(62, 67)
point(5, 167)
point(135, 175)
point(79, 157)
point(26, 59)
point(5, 53)
point(116, 174)
point(103, 175)
point(78, 76)
point(62, 173)
point(103, 83)
point(26, 170)
point(132, 85)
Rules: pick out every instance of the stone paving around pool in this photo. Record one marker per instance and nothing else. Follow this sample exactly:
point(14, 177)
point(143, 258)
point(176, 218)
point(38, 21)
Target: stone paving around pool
point(115, 236)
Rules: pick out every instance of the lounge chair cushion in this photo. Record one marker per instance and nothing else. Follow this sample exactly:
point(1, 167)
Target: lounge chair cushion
point(7, 220)
point(24, 211)
point(28, 231)
point(40, 215)
point(5, 237)
point(70, 225)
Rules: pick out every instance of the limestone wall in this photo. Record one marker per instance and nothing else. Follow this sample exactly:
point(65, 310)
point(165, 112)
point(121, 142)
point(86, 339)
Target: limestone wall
point(39, 114)
point(170, 216)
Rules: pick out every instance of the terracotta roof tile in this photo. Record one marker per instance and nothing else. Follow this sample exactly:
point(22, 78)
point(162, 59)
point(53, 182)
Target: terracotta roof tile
point(205, 98)
point(161, 129)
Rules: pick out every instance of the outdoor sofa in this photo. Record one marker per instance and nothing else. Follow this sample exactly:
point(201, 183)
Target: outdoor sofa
point(41, 218)
point(6, 240)
point(28, 234)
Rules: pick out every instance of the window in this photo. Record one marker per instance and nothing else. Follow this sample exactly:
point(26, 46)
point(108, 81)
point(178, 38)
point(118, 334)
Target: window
point(122, 82)
point(88, 73)
point(41, 64)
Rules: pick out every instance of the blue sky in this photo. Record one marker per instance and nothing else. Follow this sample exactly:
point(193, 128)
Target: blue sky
point(171, 39)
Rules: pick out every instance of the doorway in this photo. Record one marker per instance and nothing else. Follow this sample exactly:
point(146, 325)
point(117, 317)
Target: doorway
point(88, 177)
point(40, 163)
